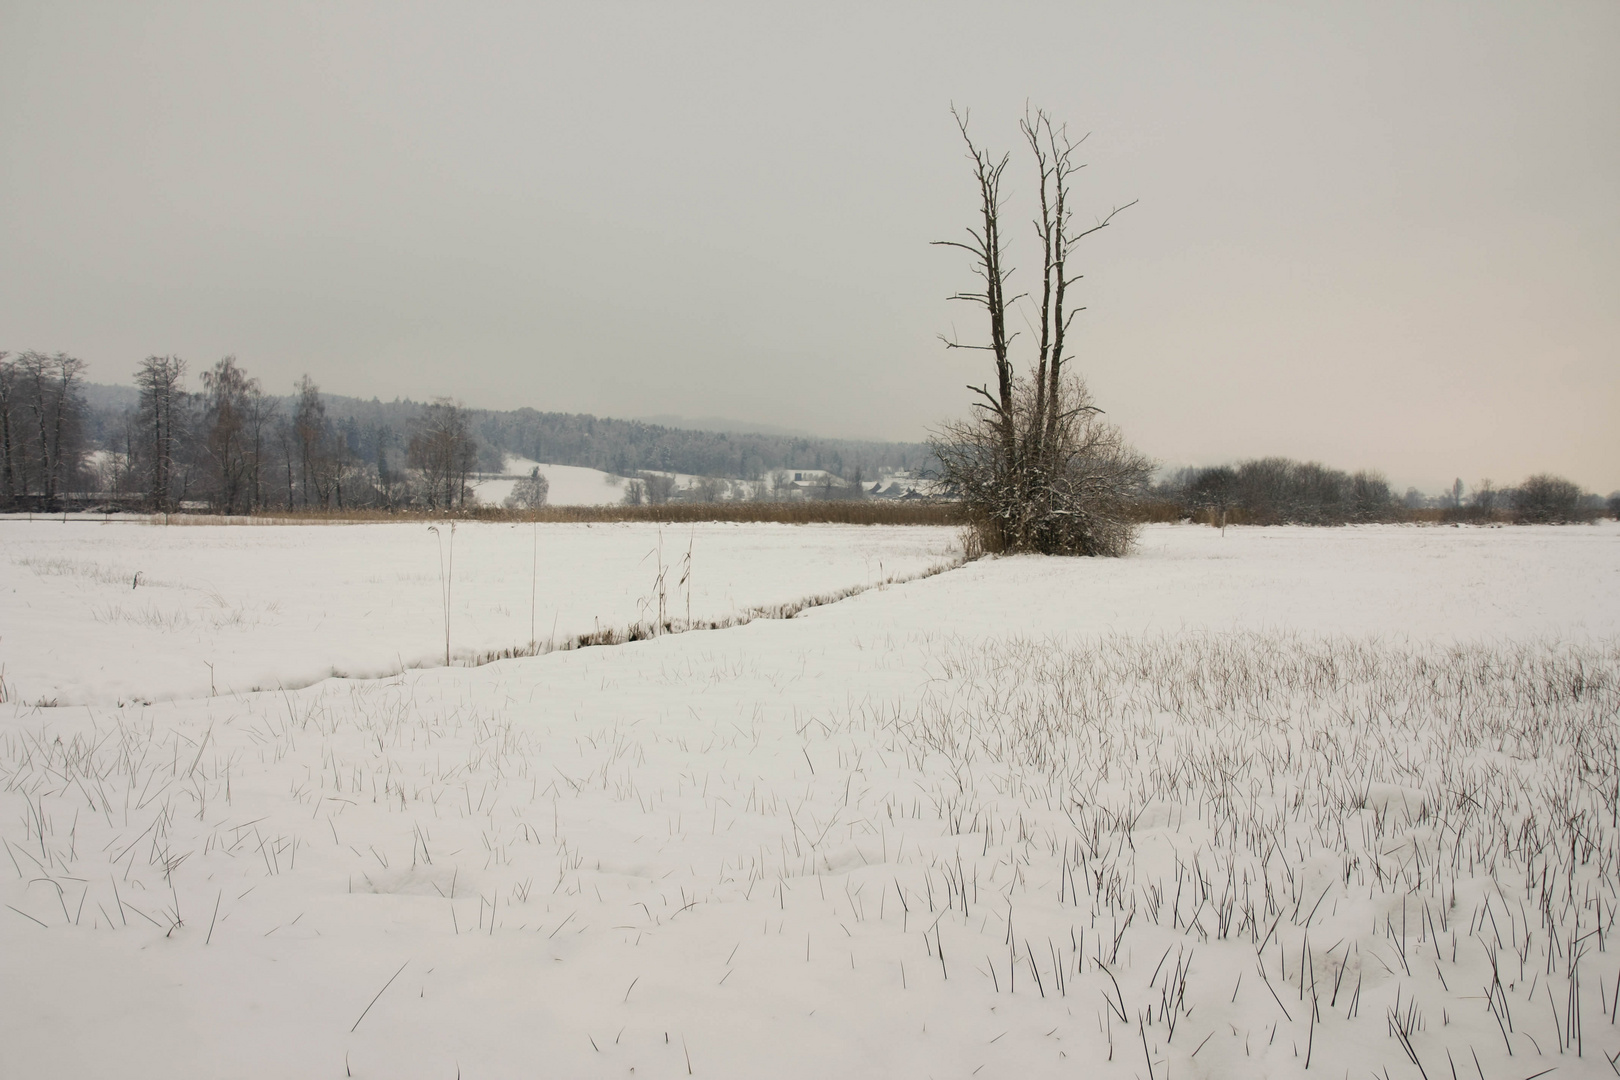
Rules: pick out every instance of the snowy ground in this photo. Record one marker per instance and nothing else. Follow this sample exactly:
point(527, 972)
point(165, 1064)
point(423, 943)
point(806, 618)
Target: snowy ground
point(1232, 806)
point(94, 613)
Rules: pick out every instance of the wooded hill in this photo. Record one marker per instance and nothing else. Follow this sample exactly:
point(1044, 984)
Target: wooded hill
point(621, 447)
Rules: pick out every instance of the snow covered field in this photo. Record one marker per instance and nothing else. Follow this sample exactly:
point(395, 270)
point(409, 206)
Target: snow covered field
point(238, 608)
point(1345, 798)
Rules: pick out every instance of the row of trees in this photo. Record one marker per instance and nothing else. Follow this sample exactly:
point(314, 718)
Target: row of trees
point(1064, 481)
point(1277, 491)
point(224, 443)
point(227, 446)
point(41, 436)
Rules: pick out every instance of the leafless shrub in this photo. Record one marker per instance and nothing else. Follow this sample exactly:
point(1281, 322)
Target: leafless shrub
point(1279, 491)
point(529, 493)
point(1545, 499)
point(1076, 498)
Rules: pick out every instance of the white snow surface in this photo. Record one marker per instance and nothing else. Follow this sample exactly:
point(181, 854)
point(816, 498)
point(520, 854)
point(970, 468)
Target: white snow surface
point(238, 608)
point(1223, 808)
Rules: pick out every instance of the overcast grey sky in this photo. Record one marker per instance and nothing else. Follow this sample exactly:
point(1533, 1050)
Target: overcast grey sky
point(1380, 235)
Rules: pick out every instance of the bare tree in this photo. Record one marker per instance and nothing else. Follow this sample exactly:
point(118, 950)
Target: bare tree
point(444, 450)
point(530, 492)
point(162, 412)
point(1035, 466)
point(309, 431)
point(231, 435)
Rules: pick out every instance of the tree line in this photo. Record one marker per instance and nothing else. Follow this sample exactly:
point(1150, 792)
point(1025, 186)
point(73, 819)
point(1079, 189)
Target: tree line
point(224, 443)
point(41, 436)
point(1280, 491)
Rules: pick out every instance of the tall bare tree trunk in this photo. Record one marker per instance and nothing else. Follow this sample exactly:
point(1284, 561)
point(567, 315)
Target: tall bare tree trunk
point(984, 244)
point(1019, 461)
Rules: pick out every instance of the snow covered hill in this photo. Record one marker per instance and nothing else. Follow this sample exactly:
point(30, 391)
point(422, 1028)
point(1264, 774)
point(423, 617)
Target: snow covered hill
point(571, 485)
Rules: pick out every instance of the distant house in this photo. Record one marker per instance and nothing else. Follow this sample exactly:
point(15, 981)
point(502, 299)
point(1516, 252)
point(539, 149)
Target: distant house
point(906, 485)
point(810, 483)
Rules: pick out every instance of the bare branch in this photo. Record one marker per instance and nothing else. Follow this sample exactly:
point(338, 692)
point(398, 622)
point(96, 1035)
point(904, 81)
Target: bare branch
point(1103, 224)
point(949, 344)
point(994, 406)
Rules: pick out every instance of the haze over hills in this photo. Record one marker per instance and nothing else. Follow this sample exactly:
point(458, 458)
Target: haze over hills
point(373, 427)
point(725, 424)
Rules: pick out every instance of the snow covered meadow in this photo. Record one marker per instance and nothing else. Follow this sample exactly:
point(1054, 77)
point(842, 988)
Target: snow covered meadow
point(126, 612)
point(1281, 802)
